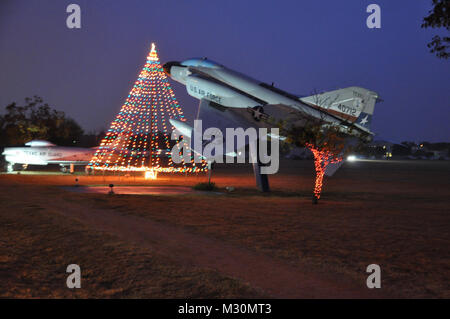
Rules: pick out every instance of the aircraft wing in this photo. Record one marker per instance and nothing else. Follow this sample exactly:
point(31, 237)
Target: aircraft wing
point(333, 167)
point(220, 117)
point(270, 114)
point(267, 116)
point(216, 116)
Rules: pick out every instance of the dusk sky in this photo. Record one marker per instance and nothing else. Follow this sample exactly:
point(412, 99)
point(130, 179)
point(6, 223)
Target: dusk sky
point(302, 46)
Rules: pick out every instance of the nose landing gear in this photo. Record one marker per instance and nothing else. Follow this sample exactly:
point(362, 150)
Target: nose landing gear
point(10, 167)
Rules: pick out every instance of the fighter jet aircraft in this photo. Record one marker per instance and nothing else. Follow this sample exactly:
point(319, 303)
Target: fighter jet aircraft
point(217, 86)
point(232, 99)
point(38, 152)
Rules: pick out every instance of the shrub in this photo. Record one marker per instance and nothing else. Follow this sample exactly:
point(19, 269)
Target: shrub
point(205, 186)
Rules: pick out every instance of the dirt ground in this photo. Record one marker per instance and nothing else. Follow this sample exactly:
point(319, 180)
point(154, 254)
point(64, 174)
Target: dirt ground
point(391, 213)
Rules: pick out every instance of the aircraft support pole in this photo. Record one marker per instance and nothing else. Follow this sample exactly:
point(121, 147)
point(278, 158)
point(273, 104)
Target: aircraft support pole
point(209, 171)
point(262, 180)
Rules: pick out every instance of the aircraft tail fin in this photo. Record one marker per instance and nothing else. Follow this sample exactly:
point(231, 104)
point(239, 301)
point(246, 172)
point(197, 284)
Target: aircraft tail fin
point(353, 104)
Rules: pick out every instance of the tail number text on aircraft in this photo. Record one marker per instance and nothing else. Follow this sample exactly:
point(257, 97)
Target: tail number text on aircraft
point(347, 109)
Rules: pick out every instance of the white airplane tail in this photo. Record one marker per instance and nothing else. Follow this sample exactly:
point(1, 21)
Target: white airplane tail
point(353, 104)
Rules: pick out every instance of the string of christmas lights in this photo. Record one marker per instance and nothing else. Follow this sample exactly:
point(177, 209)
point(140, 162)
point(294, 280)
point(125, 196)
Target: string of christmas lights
point(138, 138)
point(322, 158)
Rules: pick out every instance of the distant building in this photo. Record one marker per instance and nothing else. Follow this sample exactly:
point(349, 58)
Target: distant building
point(380, 149)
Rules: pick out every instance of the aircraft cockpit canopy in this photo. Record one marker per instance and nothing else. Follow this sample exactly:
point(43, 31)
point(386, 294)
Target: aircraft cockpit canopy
point(35, 143)
point(202, 62)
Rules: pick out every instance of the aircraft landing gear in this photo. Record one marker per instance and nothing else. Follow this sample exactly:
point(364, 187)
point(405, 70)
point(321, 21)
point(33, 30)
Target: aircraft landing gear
point(10, 168)
point(63, 169)
point(88, 170)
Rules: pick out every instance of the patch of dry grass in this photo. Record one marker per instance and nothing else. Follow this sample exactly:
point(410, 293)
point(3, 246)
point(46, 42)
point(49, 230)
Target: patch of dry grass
point(37, 244)
point(395, 214)
point(392, 214)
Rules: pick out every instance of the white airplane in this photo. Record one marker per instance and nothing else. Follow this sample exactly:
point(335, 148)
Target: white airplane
point(232, 99)
point(217, 86)
point(38, 152)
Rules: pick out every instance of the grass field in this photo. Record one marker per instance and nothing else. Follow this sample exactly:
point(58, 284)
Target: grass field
point(391, 213)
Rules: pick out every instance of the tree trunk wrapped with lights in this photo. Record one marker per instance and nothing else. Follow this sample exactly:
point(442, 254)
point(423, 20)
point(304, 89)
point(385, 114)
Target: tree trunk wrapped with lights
point(322, 158)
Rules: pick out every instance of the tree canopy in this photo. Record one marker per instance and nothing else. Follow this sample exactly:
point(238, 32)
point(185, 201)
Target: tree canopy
point(439, 17)
point(36, 120)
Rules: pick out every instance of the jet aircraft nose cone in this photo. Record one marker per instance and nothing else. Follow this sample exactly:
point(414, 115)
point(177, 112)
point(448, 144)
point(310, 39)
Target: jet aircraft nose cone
point(169, 65)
